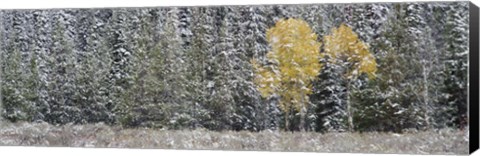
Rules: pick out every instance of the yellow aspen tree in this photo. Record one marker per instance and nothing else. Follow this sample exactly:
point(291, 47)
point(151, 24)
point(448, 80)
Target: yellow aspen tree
point(293, 65)
point(344, 45)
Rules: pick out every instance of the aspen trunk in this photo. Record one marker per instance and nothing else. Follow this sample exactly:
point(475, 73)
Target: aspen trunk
point(302, 114)
point(302, 119)
point(349, 109)
point(426, 98)
point(287, 121)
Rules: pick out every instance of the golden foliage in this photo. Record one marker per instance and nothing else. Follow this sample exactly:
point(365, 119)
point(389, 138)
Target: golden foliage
point(294, 63)
point(343, 43)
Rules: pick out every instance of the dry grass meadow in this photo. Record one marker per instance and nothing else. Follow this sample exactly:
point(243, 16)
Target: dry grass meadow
point(103, 136)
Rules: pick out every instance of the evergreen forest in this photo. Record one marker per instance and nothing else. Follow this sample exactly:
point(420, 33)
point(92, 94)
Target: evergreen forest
point(386, 67)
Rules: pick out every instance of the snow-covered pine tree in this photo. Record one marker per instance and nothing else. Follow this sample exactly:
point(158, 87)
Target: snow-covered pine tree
point(429, 55)
point(129, 101)
point(30, 65)
point(343, 47)
point(3, 38)
point(202, 46)
point(93, 67)
point(184, 15)
point(149, 68)
point(84, 96)
point(425, 56)
point(273, 13)
point(254, 24)
point(120, 52)
point(41, 50)
point(435, 17)
point(245, 96)
point(19, 85)
point(454, 93)
point(14, 105)
point(333, 17)
point(174, 95)
point(329, 98)
point(367, 21)
point(328, 95)
point(310, 14)
point(138, 106)
point(194, 63)
point(433, 43)
point(101, 47)
point(220, 73)
point(62, 61)
point(256, 46)
point(391, 102)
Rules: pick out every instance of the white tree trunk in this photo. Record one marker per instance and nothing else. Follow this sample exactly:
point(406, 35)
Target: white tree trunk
point(302, 119)
point(349, 109)
point(426, 97)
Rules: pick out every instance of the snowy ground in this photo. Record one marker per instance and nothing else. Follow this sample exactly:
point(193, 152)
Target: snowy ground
point(99, 135)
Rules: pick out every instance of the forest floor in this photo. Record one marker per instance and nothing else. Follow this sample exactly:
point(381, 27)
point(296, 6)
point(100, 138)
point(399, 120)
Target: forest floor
point(103, 136)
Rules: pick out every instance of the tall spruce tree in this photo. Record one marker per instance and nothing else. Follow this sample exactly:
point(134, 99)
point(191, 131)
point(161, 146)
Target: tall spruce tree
point(393, 95)
point(454, 91)
point(202, 47)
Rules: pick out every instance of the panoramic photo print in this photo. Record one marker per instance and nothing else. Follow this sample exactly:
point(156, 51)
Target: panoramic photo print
point(343, 78)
